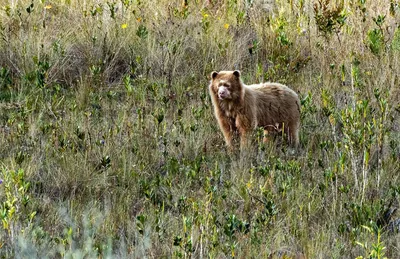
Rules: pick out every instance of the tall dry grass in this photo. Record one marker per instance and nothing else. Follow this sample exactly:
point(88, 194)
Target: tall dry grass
point(109, 148)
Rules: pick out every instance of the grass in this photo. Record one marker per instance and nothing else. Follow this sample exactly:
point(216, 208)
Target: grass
point(109, 147)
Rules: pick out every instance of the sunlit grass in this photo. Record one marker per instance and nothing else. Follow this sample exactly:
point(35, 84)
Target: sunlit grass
point(109, 147)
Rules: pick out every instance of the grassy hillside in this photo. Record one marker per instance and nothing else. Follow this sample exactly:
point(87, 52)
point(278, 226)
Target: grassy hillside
point(109, 147)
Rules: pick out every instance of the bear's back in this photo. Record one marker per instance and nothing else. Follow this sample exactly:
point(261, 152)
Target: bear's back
point(275, 103)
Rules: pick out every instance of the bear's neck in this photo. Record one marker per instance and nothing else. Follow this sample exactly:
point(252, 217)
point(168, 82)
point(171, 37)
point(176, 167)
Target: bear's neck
point(231, 108)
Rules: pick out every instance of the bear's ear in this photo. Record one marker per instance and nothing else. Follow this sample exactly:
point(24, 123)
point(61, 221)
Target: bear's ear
point(214, 74)
point(236, 73)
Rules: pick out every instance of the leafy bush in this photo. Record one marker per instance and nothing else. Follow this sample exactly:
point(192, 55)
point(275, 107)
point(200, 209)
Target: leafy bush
point(109, 146)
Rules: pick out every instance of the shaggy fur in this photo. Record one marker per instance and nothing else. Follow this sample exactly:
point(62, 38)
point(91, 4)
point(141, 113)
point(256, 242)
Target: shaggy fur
point(242, 108)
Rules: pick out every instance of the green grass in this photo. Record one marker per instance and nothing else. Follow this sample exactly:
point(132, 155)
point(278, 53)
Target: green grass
point(109, 147)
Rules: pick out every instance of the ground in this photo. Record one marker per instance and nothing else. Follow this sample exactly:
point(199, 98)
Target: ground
point(108, 145)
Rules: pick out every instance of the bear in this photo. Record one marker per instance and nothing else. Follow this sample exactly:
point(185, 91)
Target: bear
point(241, 108)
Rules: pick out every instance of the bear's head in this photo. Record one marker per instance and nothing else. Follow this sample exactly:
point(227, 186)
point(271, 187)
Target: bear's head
point(226, 85)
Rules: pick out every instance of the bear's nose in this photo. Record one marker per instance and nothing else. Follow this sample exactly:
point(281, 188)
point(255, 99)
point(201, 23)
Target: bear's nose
point(222, 92)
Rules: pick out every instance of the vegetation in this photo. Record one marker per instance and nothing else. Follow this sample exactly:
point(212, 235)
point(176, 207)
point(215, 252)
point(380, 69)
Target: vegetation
point(109, 147)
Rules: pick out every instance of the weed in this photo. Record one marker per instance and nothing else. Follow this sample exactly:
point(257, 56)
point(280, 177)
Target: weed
point(109, 147)
point(329, 19)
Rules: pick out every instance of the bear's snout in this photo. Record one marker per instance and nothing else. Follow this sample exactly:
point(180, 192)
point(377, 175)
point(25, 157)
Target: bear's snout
point(223, 93)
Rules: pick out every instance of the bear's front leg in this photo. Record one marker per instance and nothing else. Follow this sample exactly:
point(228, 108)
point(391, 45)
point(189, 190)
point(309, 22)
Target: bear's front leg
point(244, 128)
point(227, 131)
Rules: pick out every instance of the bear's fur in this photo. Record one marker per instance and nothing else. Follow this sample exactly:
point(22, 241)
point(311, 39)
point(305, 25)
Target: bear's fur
point(242, 108)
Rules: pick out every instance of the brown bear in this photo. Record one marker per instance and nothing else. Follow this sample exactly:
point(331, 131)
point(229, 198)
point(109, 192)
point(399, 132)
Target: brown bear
point(242, 108)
